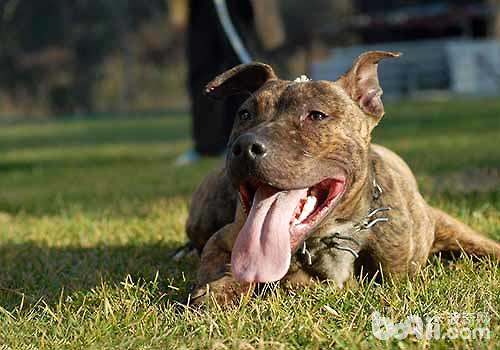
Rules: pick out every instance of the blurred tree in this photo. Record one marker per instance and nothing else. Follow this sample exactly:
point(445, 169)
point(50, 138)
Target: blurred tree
point(495, 19)
point(55, 48)
point(313, 25)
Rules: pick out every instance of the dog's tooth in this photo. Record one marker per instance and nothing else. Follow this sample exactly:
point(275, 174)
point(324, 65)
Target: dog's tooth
point(308, 208)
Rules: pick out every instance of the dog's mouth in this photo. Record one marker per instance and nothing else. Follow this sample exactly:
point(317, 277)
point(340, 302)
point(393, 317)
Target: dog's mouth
point(309, 211)
point(277, 222)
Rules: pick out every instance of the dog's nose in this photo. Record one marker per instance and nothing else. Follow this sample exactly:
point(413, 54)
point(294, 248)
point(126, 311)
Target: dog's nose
point(247, 146)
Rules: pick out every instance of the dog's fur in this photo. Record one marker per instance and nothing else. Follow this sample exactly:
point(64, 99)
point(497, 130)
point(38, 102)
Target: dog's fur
point(303, 153)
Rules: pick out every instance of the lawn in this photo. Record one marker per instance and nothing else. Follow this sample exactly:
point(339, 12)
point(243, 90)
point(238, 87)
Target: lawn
point(90, 211)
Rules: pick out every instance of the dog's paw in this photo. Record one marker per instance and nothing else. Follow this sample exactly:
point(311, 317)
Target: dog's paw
point(223, 291)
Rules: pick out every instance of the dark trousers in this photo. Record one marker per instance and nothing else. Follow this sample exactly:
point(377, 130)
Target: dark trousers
point(209, 53)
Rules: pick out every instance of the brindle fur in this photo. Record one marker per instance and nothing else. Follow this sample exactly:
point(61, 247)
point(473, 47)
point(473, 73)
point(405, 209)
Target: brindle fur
point(302, 154)
point(213, 206)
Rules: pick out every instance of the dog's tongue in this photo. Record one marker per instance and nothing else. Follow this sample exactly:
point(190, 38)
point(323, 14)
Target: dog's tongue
point(262, 249)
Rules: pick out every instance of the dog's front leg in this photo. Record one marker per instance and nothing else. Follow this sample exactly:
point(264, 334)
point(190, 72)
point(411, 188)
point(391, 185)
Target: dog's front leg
point(335, 266)
point(332, 256)
point(214, 277)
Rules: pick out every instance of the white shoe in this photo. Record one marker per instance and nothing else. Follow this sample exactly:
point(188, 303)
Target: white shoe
point(189, 157)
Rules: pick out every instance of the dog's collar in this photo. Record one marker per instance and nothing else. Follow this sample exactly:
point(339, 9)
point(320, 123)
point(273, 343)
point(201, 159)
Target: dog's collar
point(371, 219)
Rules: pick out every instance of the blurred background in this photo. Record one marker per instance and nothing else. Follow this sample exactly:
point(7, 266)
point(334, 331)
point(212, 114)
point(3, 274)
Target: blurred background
point(95, 110)
point(60, 58)
point(95, 95)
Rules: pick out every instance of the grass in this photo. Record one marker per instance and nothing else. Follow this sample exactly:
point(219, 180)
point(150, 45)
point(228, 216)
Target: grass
point(91, 209)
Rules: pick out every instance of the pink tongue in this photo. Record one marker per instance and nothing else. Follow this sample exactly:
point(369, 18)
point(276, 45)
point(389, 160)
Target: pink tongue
point(262, 249)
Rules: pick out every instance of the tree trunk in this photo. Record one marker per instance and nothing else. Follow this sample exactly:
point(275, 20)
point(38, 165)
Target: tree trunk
point(494, 30)
point(268, 23)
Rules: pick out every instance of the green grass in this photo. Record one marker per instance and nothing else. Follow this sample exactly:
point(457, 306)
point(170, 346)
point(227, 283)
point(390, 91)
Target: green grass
point(91, 210)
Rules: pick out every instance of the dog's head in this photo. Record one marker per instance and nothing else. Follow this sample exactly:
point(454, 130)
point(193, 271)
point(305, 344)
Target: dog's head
point(294, 150)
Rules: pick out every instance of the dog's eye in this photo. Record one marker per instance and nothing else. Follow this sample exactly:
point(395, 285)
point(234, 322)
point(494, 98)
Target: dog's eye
point(316, 116)
point(244, 115)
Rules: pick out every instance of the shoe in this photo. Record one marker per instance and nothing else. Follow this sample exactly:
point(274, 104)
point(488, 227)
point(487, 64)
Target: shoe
point(189, 157)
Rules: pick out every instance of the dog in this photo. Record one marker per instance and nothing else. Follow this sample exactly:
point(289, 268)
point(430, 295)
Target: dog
point(305, 196)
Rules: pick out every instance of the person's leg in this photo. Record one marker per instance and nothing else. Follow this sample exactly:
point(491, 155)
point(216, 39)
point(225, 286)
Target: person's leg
point(209, 53)
point(202, 54)
point(207, 124)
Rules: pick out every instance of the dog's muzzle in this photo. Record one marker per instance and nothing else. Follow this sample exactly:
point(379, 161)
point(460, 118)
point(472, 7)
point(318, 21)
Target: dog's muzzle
point(245, 155)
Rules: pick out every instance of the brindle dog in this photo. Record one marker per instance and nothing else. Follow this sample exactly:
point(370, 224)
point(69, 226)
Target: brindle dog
point(317, 199)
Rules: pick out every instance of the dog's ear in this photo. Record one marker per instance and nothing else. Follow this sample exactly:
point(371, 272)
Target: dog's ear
point(245, 78)
point(361, 82)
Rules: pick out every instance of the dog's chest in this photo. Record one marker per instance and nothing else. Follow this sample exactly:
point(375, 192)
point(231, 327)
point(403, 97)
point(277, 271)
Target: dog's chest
point(334, 247)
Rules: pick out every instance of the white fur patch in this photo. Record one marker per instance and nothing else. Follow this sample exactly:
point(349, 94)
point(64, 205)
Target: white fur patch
point(302, 79)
